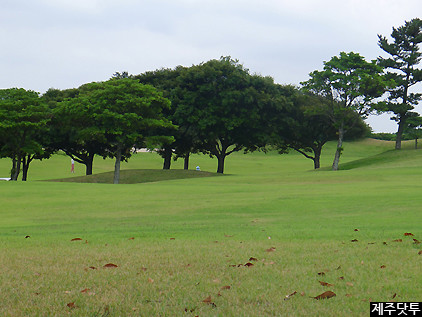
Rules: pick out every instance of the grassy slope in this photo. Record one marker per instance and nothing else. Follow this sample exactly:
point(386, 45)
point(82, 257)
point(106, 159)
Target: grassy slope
point(215, 222)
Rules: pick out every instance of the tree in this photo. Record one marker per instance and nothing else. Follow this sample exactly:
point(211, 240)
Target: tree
point(224, 105)
point(73, 128)
point(405, 55)
point(168, 81)
point(124, 110)
point(413, 127)
point(23, 122)
point(351, 84)
point(311, 126)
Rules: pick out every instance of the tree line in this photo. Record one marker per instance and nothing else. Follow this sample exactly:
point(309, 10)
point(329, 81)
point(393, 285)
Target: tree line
point(216, 108)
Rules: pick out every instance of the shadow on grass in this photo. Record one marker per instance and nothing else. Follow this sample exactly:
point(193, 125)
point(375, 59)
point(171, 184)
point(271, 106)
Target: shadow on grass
point(136, 176)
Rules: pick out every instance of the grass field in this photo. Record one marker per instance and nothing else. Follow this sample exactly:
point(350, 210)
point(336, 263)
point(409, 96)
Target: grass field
point(178, 242)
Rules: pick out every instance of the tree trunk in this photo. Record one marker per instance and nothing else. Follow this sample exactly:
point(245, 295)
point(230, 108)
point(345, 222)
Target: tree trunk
point(400, 133)
point(317, 157)
point(220, 167)
point(13, 170)
point(167, 158)
point(186, 162)
point(416, 143)
point(25, 166)
point(16, 168)
point(117, 165)
point(339, 147)
point(88, 164)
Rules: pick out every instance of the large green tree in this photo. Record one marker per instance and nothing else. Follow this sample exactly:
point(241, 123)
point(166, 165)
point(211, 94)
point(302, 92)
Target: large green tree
point(224, 105)
point(404, 56)
point(123, 111)
point(351, 84)
point(23, 128)
point(185, 140)
point(73, 128)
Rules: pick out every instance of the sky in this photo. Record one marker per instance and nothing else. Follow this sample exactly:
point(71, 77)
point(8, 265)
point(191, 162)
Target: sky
point(66, 43)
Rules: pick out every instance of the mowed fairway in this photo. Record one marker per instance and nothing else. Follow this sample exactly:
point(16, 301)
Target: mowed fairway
point(179, 242)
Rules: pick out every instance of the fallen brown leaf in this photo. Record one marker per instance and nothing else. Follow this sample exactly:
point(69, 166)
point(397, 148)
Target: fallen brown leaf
point(321, 273)
point(349, 284)
point(356, 230)
point(325, 295)
point(341, 278)
point(325, 283)
point(420, 252)
point(408, 234)
point(144, 269)
point(354, 240)
point(26, 237)
point(110, 265)
point(348, 295)
point(416, 241)
point(384, 243)
point(253, 259)
point(398, 240)
point(228, 236)
point(132, 238)
point(226, 287)
point(302, 293)
point(86, 290)
point(71, 305)
point(150, 280)
point(249, 264)
point(394, 296)
point(272, 249)
point(92, 267)
point(207, 300)
point(172, 238)
point(76, 239)
point(382, 267)
point(287, 297)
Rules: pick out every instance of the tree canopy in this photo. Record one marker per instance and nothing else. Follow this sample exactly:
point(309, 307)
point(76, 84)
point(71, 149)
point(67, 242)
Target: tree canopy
point(351, 84)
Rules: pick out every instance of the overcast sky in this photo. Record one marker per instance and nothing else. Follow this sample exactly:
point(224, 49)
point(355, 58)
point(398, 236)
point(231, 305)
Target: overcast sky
point(66, 43)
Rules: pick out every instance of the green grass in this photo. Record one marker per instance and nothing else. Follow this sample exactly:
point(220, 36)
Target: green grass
point(136, 176)
point(188, 232)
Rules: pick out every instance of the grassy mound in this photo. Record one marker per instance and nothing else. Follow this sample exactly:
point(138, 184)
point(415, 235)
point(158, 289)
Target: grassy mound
point(392, 158)
point(135, 176)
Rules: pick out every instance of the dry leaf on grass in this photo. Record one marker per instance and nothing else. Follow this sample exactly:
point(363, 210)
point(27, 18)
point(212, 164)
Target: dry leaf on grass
point(86, 290)
point(207, 300)
point(150, 280)
point(110, 265)
point(321, 273)
point(287, 297)
point(341, 278)
point(226, 287)
point(398, 240)
point(272, 249)
point(416, 241)
point(228, 236)
point(325, 283)
point(420, 252)
point(348, 295)
point(382, 267)
point(172, 238)
point(132, 238)
point(26, 237)
point(394, 296)
point(253, 259)
point(349, 284)
point(354, 240)
point(356, 230)
point(408, 234)
point(71, 305)
point(325, 295)
point(76, 239)
point(249, 264)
